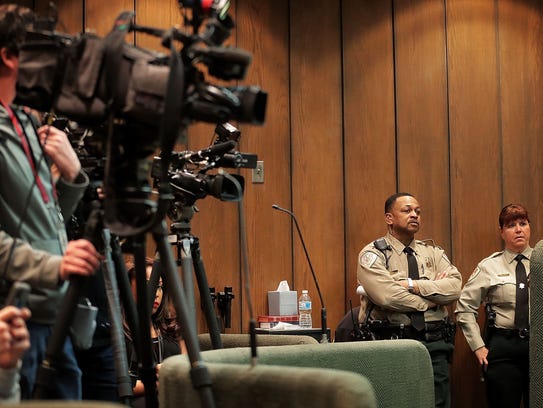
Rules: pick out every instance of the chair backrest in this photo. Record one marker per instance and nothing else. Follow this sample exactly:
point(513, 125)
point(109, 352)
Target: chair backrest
point(67, 404)
point(400, 371)
point(230, 340)
point(265, 386)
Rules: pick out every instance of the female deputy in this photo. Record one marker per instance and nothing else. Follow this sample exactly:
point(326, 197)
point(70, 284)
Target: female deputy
point(500, 282)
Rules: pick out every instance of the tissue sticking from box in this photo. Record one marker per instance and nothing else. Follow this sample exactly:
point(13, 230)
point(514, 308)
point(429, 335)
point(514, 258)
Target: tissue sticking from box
point(283, 286)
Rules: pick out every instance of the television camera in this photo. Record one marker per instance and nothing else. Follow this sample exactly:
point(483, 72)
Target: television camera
point(140, 100)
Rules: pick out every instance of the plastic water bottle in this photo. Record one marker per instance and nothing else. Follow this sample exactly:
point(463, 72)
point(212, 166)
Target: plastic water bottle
point(304, 311)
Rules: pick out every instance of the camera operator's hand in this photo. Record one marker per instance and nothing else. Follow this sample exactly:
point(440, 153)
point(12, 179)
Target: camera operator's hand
point(80, 258)
point(14, 337)
point(57, 146)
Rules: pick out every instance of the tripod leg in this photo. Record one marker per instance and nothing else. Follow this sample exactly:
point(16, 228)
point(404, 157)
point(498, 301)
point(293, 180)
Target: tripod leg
point(148, 365)
point(205, 297)
point(127, 298)
point(186, 268)
point(124, 384)
point(200, 377)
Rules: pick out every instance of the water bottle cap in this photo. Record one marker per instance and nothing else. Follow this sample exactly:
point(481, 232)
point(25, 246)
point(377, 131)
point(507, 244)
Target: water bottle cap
point(304, 291)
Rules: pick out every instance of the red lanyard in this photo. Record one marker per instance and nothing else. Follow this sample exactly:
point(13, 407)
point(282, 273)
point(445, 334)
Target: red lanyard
point(26, 149)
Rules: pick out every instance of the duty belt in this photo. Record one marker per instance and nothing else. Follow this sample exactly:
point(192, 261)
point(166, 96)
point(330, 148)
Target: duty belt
point(429, 334)
point(512, 333)
point(433, 331)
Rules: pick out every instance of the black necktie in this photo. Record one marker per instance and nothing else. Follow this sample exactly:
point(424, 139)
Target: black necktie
point(417, 318)
point(521, 306)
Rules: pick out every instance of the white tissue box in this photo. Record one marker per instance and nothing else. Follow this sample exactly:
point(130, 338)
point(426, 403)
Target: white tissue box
point(283, 303)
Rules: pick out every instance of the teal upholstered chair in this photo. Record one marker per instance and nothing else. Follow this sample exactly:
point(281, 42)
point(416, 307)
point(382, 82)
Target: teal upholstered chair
point(66, 404)
point(264, 386)
point(230, 340)
point(400, 371)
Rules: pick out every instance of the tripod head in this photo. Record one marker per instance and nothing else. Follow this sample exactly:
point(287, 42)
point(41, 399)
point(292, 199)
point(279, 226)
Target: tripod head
point(181, 212)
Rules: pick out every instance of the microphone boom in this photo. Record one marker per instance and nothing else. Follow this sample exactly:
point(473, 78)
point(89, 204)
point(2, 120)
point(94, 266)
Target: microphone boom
point(324, 338)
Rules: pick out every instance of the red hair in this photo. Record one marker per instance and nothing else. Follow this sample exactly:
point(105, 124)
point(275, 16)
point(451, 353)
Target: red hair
point(513, 212)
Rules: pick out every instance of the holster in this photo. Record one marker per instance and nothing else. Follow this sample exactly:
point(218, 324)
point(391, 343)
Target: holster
point(490, 321)
point(434, 331)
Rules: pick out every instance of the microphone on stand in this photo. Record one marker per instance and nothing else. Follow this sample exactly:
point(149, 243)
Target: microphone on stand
point(324, 336)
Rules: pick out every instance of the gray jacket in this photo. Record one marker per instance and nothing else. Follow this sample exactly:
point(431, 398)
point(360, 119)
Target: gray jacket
point(26, 215)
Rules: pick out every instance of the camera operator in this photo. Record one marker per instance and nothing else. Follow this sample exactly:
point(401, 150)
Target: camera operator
point(39, 268)
point(34, 204)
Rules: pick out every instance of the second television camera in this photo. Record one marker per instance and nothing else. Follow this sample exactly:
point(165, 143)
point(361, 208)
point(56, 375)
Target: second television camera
point(188, 171)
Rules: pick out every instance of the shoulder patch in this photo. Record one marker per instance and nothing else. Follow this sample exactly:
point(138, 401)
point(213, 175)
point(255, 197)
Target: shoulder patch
point(367, 259)
point(427, 242)
point(474, 274)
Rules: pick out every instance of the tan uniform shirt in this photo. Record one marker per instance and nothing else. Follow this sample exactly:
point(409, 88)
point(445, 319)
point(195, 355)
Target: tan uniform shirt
point(393, 301)
point(493, 281)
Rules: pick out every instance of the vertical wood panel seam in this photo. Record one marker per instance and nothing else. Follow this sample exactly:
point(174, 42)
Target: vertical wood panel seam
point(499, 92)
point(243, 264)
point(393, 33)
point(342, 91)
point(134, 36)
point(242, 282)
point(448, 115)
point(289, 45)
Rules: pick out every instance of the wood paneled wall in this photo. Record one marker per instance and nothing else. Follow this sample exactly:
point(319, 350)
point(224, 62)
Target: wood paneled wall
point(368, 97)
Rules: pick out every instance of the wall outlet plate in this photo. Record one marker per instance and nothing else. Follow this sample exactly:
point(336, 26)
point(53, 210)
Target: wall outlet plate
point(258, 172)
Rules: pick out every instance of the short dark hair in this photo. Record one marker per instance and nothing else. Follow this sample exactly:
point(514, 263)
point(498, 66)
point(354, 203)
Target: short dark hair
point(13, 22)
point(392, 199)
point(512, 212)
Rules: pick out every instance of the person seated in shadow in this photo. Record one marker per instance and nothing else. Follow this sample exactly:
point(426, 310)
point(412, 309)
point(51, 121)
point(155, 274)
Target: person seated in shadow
point(165, 332)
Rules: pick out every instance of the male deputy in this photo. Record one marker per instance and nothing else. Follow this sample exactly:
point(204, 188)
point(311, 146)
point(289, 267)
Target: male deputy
point(410, 306)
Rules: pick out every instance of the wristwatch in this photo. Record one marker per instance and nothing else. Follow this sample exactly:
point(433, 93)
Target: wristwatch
point(410, 286)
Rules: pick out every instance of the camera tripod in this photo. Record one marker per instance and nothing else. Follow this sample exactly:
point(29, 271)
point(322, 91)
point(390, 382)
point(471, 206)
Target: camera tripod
point(138, 321)
point(188, 258)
